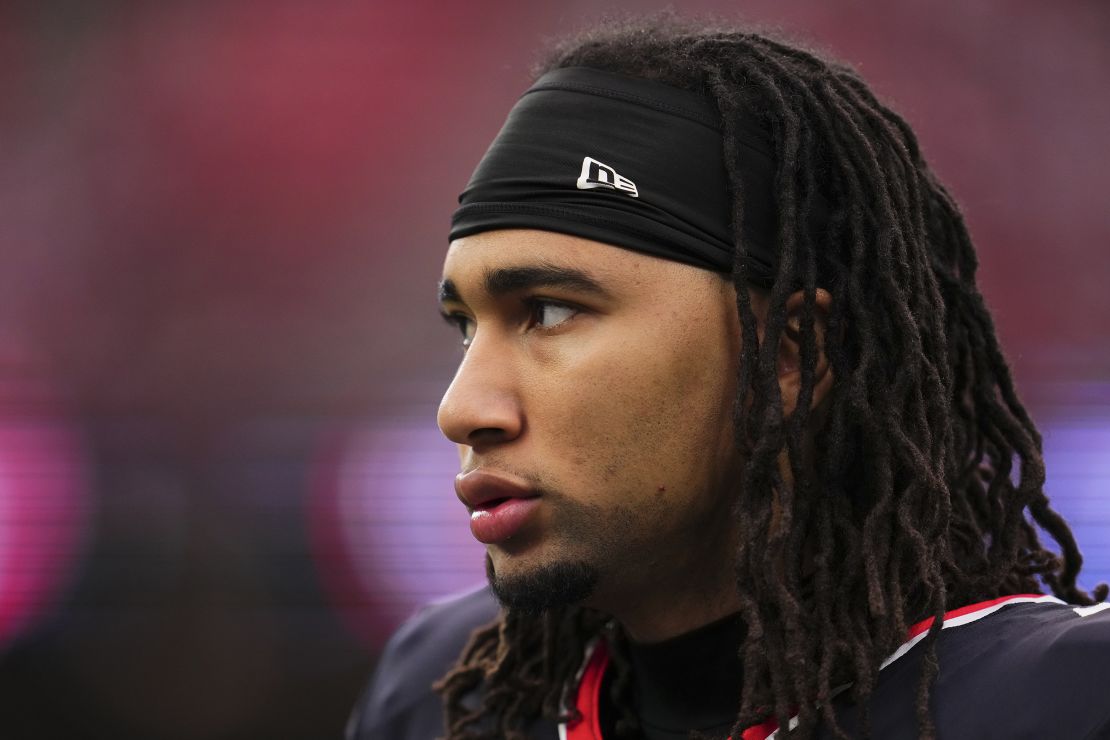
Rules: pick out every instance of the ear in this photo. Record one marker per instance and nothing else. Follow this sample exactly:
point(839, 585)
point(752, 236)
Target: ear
point(790, 351)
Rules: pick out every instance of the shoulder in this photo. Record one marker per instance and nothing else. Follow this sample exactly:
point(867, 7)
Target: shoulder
point(1056, 658)
point(1036, 641)
point(399, 701)
point(1026, 670)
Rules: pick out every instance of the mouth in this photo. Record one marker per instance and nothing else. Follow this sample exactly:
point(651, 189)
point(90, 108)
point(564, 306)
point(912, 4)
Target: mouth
point(481, 489)
point(499, 504)
point(491, 504)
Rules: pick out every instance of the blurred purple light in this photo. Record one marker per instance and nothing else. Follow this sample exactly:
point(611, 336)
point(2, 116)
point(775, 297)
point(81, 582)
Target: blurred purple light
point(389, 533)
point(1077, 456)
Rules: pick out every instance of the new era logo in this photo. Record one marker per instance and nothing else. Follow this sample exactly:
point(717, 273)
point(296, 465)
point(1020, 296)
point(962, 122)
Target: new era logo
point(597, 175)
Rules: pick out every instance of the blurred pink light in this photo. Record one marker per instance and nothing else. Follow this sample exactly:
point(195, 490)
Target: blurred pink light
point(43, 519)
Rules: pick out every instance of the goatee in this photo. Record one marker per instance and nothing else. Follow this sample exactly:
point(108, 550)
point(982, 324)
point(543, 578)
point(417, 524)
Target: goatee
point(554, 585)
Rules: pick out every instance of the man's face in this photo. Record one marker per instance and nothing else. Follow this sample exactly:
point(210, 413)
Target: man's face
point(593, 413)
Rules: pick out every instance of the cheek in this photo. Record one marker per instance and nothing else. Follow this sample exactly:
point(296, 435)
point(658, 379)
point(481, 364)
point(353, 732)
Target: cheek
point(637, 416)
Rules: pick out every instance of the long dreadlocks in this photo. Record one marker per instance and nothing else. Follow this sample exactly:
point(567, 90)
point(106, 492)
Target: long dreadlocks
point(915, 505)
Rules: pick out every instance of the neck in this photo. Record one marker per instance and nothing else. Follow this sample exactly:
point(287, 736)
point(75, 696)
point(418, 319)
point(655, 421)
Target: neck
point(676, 594)
point(650, 622)
point(689, 682)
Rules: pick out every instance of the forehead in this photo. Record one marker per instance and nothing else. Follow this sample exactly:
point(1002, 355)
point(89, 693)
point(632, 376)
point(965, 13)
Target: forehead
point(471, 259)
point(510, 247)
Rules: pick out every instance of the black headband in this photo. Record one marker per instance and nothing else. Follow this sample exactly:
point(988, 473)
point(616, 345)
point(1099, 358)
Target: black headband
point(625, 161)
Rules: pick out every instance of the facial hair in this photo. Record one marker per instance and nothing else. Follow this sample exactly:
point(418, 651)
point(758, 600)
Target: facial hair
point(555, 584)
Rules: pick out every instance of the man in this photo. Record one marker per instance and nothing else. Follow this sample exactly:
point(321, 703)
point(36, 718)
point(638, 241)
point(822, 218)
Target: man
point(735, 428)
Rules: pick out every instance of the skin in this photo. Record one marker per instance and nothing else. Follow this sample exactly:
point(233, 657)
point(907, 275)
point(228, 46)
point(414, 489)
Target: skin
point(615, 401)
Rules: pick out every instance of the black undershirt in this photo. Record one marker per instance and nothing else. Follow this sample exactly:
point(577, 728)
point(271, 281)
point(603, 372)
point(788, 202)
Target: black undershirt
point(690, 682)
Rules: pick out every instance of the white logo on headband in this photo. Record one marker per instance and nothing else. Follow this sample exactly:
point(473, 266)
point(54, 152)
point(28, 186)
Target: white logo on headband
point(597, 175)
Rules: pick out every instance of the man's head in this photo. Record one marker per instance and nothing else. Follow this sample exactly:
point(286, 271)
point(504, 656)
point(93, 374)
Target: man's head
point(830, 454)
point(603, 380)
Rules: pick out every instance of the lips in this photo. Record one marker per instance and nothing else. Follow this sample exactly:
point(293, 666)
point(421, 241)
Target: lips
point(499, 504)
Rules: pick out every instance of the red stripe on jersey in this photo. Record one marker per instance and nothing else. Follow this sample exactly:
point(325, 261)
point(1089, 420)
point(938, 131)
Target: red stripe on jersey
point(588, 701)
point(761, 731)
point(925, 624)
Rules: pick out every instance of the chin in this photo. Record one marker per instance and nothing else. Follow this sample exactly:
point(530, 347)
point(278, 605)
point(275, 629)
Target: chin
point(547, 586)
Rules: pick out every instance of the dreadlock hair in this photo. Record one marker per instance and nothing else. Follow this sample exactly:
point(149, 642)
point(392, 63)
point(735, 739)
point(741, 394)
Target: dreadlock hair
point(925, 487)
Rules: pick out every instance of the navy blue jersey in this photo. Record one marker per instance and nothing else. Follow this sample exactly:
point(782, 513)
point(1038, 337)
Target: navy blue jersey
point(1020, 667)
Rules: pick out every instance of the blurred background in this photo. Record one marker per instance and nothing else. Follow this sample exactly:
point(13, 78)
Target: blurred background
point(221, 225)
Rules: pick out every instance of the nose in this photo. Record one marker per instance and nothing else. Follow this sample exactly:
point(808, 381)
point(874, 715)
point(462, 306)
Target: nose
point(482, 405)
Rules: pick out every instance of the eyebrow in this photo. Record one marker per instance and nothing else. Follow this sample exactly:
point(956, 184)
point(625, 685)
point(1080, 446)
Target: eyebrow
point(505, 280)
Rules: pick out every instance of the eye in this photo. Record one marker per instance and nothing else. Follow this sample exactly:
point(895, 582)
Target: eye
point(464, 324)
point(548, 314)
